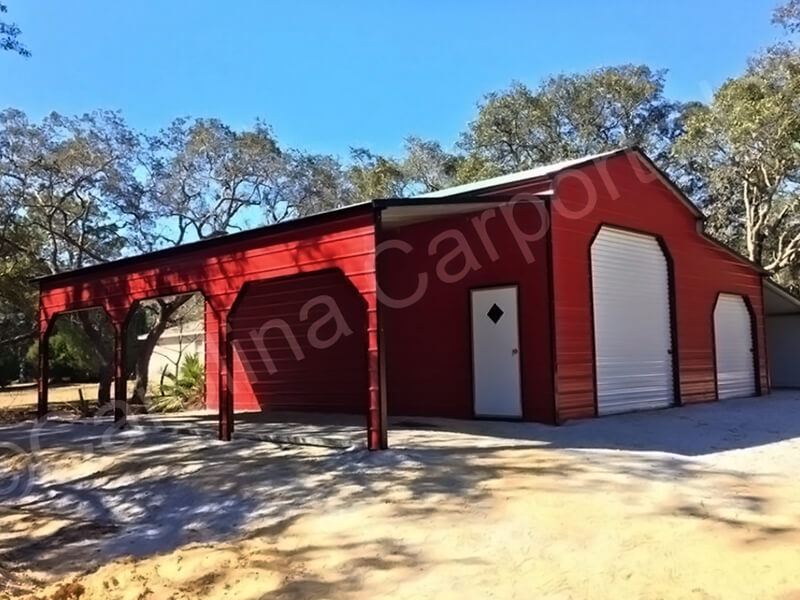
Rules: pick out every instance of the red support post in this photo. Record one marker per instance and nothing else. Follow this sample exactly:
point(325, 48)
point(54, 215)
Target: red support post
point(229, 375)
point(225, 382)
point(44, 370)
point(377, 419)
point(120, 375)
point(377, 437)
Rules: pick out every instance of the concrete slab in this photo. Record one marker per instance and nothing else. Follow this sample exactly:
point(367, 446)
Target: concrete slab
point(694, 430)
point(306, 429)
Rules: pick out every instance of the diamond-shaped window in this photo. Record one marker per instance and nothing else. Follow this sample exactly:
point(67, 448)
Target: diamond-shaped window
point(495, 313)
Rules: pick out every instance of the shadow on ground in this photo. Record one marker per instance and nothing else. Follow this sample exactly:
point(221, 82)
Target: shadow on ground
point(693, 430)
point(142, 493)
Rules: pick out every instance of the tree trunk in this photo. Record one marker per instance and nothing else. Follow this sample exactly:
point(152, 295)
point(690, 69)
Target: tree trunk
point(106, 371)
point(142, 367)
point(105, 384)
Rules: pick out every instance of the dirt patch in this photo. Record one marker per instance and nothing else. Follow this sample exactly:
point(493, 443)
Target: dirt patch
point(16, 415)
point(26, 396)
point(178, 517)
point(563, 546)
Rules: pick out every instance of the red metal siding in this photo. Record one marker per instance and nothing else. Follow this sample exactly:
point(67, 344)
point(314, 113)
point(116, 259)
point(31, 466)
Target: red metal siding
point(212, 358)
point(220, 272)
point(428, 344)
point(344, 242)
point(624, 191)
point(317, 363)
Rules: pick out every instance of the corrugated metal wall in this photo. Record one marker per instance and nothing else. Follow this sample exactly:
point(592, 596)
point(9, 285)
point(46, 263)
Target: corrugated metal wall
point(784, 350)
point(623, 191)
point(428, 350)
point(300, 345)
point(343, 241)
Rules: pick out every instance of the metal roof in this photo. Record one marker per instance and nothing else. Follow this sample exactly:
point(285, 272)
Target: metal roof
point(467, 193)
point(521, 176)
point(493, 182)
point(222, 240)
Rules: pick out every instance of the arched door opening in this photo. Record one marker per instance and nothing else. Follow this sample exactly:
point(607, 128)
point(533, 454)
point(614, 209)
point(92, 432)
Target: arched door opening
point(79, 362)
point(165, 352)
point(299, 353)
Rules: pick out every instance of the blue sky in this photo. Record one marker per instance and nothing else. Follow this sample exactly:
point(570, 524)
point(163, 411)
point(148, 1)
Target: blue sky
point(335, 74)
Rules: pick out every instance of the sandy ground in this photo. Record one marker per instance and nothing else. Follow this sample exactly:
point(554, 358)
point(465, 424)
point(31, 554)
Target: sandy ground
point(696, 502)
point(26, 395)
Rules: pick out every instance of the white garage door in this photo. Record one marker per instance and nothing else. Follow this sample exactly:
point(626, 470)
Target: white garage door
point(633, 335)
point(733, 338)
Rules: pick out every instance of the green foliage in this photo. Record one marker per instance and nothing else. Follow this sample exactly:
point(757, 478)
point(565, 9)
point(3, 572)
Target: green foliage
point(744, 148)
point(71, 355)
point(9, 365)
point(788, 16)
point(60, 184)
point(201, 175)
point(185, 391)
point(74, 355)
point(9, 36)
point(568, 116)
point(74, 168)
point(76, 191)
point(375, 176)
point(314, 183)
point(425, 167)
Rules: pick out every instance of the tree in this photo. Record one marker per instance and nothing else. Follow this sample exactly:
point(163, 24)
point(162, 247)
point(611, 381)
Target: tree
point(72, 352)
point(315, 183)
point(373, 176)
point(82, 190)
point(9, 35)
point(788, 16)
point(745, 147)
point(60, 181)
point(201, 179)
point(569, 116)
point(425, 167)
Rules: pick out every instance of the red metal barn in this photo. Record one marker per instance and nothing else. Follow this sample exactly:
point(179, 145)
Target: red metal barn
point(579, 289)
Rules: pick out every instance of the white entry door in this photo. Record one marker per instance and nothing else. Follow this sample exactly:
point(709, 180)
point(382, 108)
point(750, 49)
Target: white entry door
point(632, 329)
point(733, 338)
point(495, 352)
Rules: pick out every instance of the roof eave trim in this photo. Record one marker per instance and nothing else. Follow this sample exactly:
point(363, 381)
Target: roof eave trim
point(470, 198)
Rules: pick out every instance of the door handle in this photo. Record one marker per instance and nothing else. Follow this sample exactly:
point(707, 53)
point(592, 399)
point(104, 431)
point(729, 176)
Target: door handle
point(514, 352)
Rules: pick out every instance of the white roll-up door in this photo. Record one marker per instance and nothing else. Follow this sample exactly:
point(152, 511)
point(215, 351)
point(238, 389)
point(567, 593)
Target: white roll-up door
point(733, 338)
point(633, 334)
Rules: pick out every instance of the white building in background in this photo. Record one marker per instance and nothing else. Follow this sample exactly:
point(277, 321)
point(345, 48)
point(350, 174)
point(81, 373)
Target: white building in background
point(174, 345)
